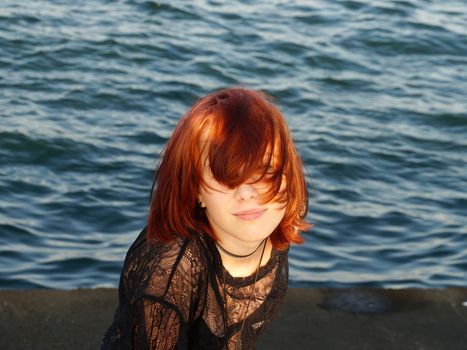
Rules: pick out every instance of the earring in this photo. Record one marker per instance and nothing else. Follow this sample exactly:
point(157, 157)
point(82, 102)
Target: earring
point(201, 204)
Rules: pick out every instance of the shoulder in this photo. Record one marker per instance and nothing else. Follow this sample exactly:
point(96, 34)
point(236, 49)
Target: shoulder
point(152, 266)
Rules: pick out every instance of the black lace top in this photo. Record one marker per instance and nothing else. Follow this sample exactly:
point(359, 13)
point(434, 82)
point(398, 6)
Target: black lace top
point(178, 295)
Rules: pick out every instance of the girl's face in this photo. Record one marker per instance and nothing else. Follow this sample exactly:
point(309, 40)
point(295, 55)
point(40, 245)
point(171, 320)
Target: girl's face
point(238, 213)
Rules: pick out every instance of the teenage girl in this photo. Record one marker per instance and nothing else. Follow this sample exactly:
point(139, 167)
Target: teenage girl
point(210, 269)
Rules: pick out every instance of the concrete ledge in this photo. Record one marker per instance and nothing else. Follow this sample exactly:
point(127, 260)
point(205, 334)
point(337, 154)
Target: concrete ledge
point(310, 319)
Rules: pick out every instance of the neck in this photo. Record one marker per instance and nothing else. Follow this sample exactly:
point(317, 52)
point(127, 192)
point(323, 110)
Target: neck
point(243, 267)
point(239, 256)
point(237, 246)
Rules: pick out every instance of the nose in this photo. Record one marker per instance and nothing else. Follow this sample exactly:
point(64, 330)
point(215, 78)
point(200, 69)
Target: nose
point(246, 192)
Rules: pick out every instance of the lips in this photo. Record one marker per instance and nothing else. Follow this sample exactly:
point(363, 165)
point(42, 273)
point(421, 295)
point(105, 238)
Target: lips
point(251, 214)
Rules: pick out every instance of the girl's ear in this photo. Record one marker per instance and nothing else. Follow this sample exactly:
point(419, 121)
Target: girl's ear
point(201, 202)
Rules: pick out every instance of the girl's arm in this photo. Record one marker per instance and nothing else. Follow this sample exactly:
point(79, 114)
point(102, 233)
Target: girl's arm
point(157, 325)
point(157, 315)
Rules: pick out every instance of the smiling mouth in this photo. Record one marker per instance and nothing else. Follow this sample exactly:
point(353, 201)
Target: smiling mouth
point(250, 214)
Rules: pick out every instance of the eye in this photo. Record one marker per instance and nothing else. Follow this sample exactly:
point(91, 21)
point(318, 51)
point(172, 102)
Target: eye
point(270, 172)
point(263, 177)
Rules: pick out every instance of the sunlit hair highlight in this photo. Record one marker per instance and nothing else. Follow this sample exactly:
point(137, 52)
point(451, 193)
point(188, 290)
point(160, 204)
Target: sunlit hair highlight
point(240, 134)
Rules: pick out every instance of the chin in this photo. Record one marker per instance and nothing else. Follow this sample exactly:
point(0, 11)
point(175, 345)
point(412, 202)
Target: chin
point(254, 235)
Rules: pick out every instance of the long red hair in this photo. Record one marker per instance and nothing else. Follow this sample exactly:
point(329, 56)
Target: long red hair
point(247, 135)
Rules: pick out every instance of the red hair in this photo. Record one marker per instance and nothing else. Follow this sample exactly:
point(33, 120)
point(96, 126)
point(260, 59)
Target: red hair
point(247, 135)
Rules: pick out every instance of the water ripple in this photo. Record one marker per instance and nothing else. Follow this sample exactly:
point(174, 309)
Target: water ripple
point(373, 93)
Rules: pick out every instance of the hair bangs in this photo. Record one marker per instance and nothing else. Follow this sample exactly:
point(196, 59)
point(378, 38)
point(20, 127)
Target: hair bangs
point(254, 154)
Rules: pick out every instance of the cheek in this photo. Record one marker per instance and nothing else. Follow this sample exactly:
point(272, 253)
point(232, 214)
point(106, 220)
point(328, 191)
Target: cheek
point(278, 211)
point(214, 200)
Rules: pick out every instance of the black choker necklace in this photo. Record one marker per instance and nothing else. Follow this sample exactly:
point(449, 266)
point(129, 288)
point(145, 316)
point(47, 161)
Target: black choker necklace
point(236, 255)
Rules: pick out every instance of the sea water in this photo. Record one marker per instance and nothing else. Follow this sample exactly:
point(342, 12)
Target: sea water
point(374, 93)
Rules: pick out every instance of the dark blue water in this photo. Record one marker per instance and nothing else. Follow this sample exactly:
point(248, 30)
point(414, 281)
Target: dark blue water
point(374, 92)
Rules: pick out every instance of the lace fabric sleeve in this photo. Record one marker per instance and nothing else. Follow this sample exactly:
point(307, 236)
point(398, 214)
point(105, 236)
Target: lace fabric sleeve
point(154, 324)
point(159, 294)
point(157, 325)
